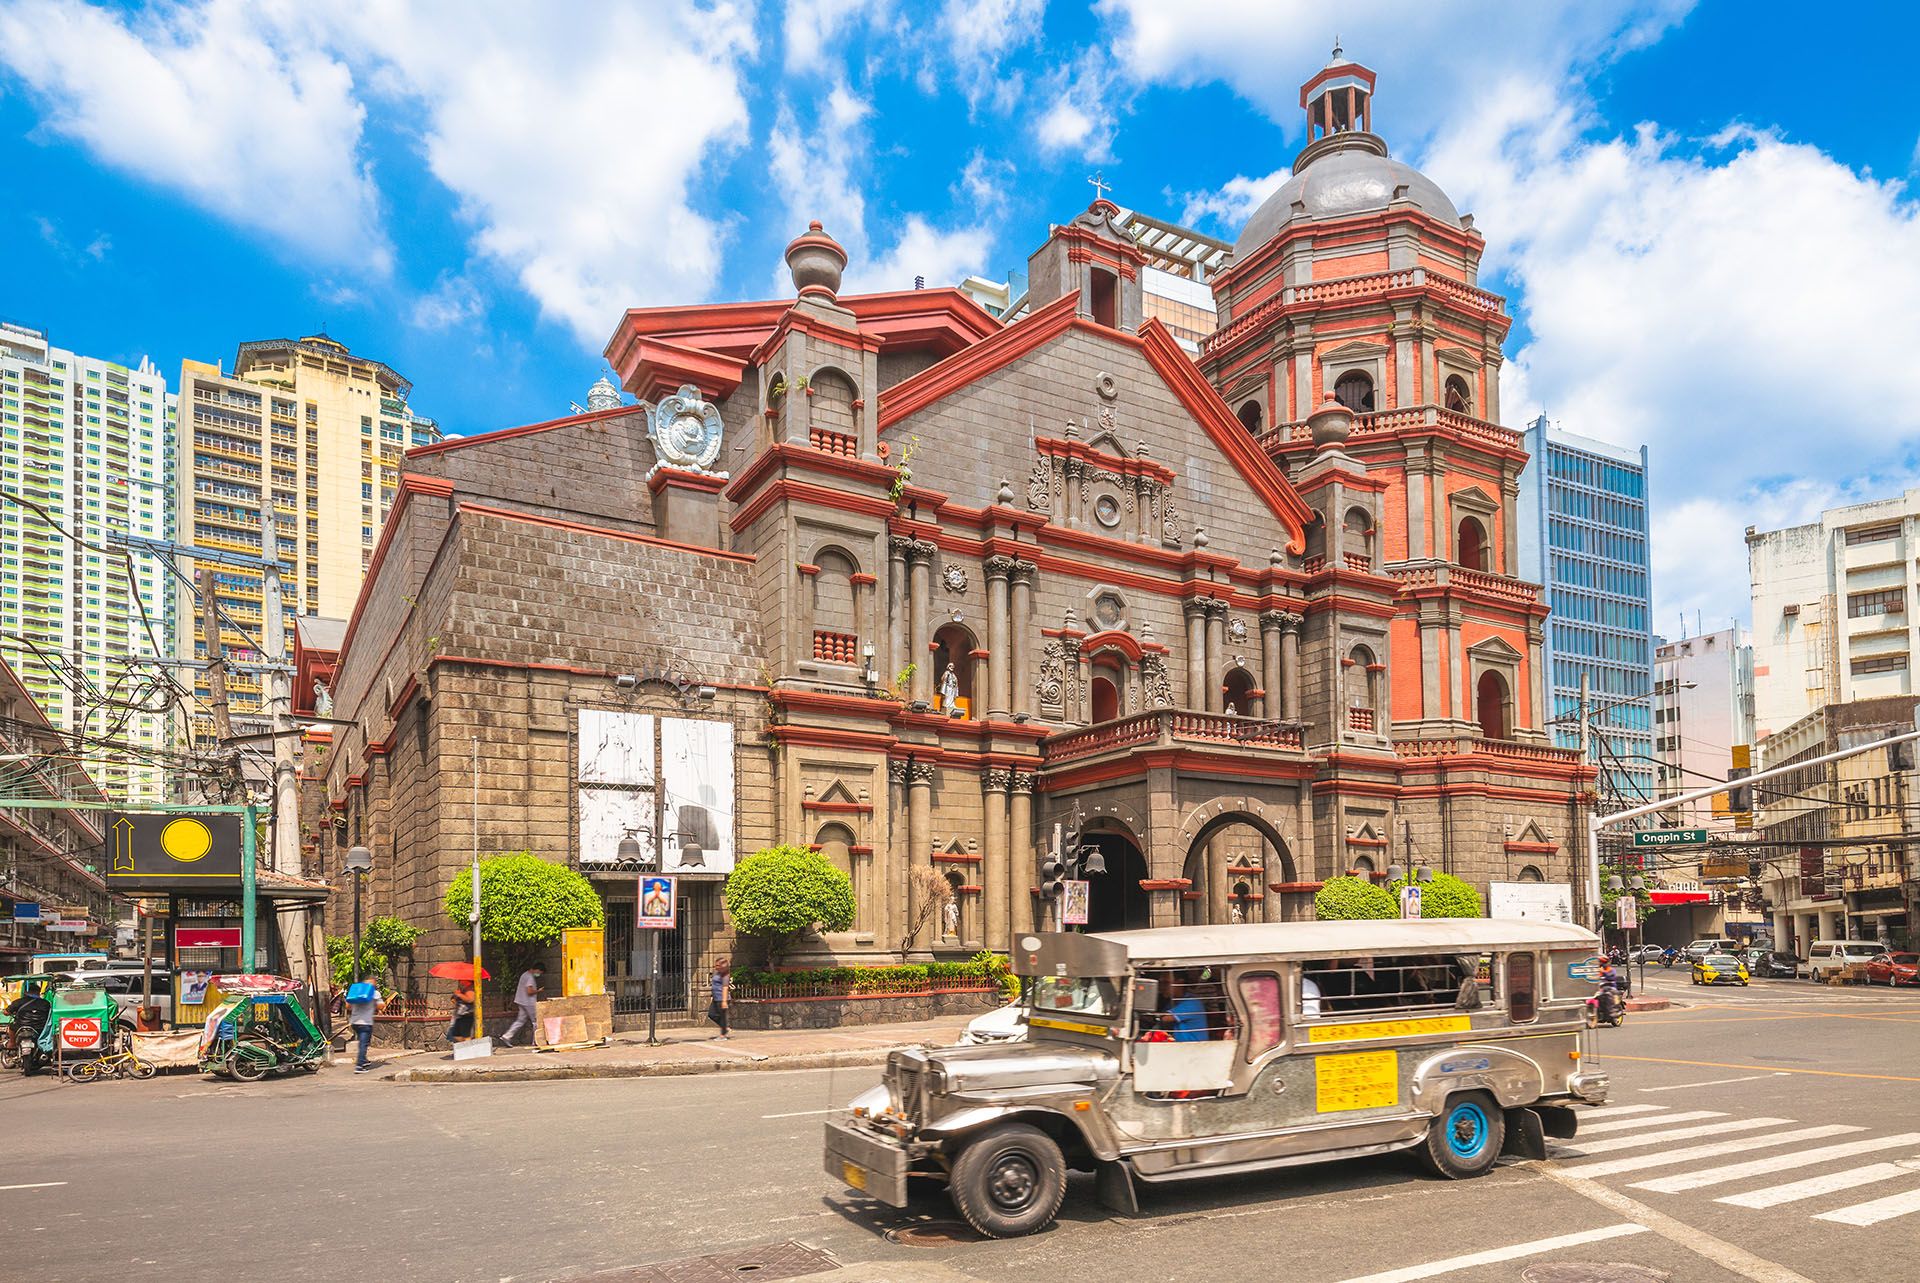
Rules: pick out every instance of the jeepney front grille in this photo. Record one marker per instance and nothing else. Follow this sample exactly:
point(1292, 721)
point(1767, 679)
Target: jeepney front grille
point(907, 1090)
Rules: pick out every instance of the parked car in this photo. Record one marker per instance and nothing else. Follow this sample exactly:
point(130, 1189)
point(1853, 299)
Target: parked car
point(1894, 969)
point(1829, 956)
point(125, 984)
point(1710, 944)
point(1002, 1024)
point(1647, 953)
point(1719, 969)
point(1767, 964)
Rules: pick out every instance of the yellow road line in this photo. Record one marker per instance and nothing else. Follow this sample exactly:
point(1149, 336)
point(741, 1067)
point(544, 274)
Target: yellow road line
point(1778, 1069)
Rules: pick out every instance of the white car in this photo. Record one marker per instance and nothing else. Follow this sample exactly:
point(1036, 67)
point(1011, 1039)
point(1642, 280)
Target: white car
point(1002, 1024)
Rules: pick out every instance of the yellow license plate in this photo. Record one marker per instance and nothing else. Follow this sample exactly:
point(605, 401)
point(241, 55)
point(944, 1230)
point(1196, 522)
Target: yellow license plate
point(854, 1175)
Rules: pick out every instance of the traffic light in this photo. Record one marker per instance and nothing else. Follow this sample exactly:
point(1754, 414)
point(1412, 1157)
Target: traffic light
point(1050, 871)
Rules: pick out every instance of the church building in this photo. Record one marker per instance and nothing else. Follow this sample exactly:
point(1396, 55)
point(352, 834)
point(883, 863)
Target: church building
point(886, 576)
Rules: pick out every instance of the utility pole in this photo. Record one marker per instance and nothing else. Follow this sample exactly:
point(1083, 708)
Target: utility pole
point(216, 654)
point(1593, 882)
point(283, 857)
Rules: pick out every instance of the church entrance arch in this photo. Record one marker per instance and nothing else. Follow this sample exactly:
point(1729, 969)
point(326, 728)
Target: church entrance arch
point(1233, 856)
point(1115, 899)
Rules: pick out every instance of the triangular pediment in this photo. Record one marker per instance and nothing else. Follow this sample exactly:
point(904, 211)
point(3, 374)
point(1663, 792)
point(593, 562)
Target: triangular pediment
point(1494, 648)
point(1357, 350)
point(838, 792)
point(1532, 834)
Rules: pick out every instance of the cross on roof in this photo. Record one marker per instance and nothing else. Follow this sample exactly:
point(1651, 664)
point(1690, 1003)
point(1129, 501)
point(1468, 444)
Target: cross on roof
point(1100, 185)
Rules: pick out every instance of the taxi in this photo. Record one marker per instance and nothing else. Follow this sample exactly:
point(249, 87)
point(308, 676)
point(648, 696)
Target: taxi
point(1719, 969)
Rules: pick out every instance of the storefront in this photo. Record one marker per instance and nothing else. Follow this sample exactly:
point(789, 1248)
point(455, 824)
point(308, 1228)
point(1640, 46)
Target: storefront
point(1880, 913)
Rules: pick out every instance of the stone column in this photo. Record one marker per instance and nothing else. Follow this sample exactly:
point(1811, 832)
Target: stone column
point(1430, 668)
point(998, 695)
point(1195, 609)
point(997, 866)
point(1271, 680)
point(1021, 868)
point(1536, 679)
point(897, 623)
point(1216, 655)
point(1290, 678)
point(1510, 524)
point(919, 777)
point(889, 883)
point(920, 556)
point(1076, 470)
point(1019, 650)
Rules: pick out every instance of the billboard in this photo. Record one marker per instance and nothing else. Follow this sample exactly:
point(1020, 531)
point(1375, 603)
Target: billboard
point(697, 767)
point(172, 851)
point(1533, 901)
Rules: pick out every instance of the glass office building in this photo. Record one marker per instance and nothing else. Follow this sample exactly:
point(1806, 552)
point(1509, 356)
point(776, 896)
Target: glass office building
point(1583, 537)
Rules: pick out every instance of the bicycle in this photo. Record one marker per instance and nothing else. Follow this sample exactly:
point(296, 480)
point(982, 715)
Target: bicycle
point(112, 1066)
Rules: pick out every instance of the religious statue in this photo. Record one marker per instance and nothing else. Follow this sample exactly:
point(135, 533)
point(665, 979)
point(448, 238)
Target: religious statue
point(952, 912)
point(1235, 914)
point(950, 692)
point(322, 699)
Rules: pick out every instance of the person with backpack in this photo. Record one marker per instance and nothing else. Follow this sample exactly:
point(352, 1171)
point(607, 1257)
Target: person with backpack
point(363, 1000)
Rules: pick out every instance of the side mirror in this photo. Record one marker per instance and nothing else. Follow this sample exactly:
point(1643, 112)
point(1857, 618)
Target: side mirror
point(1146, 995)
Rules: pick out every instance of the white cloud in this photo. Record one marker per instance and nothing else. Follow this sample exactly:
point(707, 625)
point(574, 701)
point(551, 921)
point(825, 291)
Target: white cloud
point(453, 301)
point(939, 257)
point(230, 104)
point(1233, 204)
point(810, 28)
point(975, 37)
point(1086, 100)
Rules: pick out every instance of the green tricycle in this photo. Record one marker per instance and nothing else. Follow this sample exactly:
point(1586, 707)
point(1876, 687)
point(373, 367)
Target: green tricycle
point(251, 1035)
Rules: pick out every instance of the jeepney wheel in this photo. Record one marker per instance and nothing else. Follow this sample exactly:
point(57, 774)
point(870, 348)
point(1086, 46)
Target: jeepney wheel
point(248, 1069)
point(1465, 1139)
point(1009, 1181)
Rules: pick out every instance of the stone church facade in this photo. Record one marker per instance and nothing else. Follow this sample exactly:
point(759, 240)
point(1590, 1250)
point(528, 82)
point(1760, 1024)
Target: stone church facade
point(883, 576)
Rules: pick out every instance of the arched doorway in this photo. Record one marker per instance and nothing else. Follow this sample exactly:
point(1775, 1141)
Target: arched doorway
point(1103, 689)
point(1115, 899)
point(1237, 692)
point(1470, 544)
point(1492, 706)
point(953, 647)
point(1230, 863)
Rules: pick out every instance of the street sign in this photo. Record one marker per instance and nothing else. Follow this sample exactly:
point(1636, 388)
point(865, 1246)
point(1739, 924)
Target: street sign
point(159, 851)
point(24, 912)
point(659, 902)
point(1626, 912)
point(1588, 970)
point(1410, 901)
point(206, 938)
point(67, 926)
point(80, 1033)
point(1073, 902)
point(1670, 837)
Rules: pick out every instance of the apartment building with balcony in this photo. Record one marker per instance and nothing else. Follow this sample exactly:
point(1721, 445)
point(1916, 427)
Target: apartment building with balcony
point(86, 458)
point(309, 431)
point(1831, 609)
point(1583, 535)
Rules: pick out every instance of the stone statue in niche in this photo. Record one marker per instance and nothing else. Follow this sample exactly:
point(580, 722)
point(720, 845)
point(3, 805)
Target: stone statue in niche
point(952, 912)
point(950, 692)
point(322, 699)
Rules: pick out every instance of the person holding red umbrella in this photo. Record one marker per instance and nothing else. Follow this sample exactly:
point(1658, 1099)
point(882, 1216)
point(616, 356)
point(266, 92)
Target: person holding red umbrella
point(460, 1028)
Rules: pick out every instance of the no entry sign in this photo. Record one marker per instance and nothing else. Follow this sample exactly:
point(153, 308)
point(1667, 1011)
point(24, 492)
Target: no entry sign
point(81, 1033)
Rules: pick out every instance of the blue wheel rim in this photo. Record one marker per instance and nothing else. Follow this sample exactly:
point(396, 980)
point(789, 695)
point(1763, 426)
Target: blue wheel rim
point(1466, 1130)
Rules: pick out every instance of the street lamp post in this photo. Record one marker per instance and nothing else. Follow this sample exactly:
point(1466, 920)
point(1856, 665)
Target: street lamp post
point(359, 861)
point(629, 852)
point(1636, 883)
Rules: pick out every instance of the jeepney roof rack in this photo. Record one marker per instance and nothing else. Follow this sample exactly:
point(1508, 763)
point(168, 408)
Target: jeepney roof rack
point(1335, 939)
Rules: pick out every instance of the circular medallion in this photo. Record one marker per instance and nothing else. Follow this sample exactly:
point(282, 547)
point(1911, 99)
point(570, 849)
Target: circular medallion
point(955, 578)
point(1106, 510)
point(1106, 385)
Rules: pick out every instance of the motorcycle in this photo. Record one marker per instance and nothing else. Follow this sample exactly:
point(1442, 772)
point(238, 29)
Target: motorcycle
point(1607, 1006)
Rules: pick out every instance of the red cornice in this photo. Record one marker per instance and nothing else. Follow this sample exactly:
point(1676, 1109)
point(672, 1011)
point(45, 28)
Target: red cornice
point(789, 454)
point(807, 492)
point(1183, 377)
point(918, 391)
point(837, 808)
point(652, 368)
point(504, 434)
point(679, 479)
point(797, 321)
point(1531, 848)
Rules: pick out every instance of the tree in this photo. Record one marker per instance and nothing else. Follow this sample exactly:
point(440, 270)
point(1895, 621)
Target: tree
point(779, 892)
point(1345, 899)
point(928, 893)
point(525, 903)
point(1444, 897)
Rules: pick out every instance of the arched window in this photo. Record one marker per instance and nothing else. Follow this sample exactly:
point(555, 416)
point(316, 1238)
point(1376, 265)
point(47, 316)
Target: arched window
point(836, 842)
point(1359, 539)
point(1459, 397)
point(1354, 389)
point(1470, 544)
point(1362, 865)
point(953, 648)
point(1491, 706)
point(1250, 416)
point(830, 414)
point(1237, 692)
point(836, 633)
point(1359, 682)
point(1103, 691)
point(1532, 873)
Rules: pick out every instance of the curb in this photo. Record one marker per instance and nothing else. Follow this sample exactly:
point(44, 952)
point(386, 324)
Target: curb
point(1649, 1004)
point(654, 1068)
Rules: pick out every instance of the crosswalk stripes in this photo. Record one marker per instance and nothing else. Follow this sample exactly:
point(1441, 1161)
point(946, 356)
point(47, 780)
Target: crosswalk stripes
point(1777, 1163)
point(1652, 1128)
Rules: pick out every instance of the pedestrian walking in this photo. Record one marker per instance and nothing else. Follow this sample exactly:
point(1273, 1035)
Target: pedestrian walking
point(526, 996)
point(718, 983)
point(363, 999)
point(460, 1028)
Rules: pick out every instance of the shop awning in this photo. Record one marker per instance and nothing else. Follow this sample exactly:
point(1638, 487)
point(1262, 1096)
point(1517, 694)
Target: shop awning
point(1681, 897)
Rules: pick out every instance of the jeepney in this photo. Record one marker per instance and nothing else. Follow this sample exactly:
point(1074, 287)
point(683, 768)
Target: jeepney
point(1180, 1052)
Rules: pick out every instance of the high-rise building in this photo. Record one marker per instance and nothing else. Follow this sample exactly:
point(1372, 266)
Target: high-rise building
point(86, 457)
point(319, 433)
point(1702, 709)
point(1583, 534)
point(1830, 619)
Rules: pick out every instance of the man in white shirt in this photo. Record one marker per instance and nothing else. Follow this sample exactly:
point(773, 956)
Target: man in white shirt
point(526, 993)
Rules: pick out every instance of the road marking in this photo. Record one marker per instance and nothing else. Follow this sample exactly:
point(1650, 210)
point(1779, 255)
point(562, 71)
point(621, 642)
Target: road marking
point(1658, 1120)
point(1716, 1082)
point(1779, 1069)
point(1612, 1143)
point(1778, 1163)
point(1614, 1166)
point(1433, 1269)
point(1880, 1209)
point(1738, 1260)
point(35, 1185)
point(1616, 1111)
point(1813, 1186)
point(801, 1113)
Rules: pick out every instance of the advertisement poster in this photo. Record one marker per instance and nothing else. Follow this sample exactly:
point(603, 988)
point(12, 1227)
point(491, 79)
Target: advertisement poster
point(697, 761)
point(193, 987)
point(1410, 902)
point(659, 901)
point(1533, 901)
point(1073, 903)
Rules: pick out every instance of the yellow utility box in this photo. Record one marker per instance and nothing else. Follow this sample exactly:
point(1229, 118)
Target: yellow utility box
point(583, 961)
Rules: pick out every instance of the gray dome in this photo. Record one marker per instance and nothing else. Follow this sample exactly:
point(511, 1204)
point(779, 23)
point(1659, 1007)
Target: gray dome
point(1343, 180)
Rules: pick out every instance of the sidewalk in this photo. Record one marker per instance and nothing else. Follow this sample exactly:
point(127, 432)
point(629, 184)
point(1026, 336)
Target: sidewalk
point(681, 1051)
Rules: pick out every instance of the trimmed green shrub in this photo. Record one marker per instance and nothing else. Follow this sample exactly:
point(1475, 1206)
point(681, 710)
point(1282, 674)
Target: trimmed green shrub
point(1444, 897)
point(525, 903)
point(777, 893)
point(985, 969)
point(1345, 899)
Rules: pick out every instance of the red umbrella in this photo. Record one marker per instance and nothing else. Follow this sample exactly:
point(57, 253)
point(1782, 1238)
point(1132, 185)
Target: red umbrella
point(456, 971)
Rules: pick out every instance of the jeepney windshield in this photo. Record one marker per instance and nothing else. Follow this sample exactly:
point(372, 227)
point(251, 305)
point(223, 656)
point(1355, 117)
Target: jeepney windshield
point(1077, 995)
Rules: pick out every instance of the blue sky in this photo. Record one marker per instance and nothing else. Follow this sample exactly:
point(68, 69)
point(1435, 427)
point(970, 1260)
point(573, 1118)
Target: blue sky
point(1699, 210)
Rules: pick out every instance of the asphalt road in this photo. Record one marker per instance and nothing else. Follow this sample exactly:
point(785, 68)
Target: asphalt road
point(1769, 1134)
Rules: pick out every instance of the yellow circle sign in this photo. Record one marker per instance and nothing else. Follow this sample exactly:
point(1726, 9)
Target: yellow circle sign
point(186, 840)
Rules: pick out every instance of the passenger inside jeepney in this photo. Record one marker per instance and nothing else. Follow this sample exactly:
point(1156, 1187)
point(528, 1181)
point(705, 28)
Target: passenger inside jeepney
point(1193, 1006)
point(1366, 984)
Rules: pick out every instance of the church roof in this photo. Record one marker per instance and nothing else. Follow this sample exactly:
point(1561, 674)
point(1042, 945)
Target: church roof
point(1343, 180)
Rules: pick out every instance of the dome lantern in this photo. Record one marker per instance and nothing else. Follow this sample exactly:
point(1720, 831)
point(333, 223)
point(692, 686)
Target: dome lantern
point(1339, 99)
